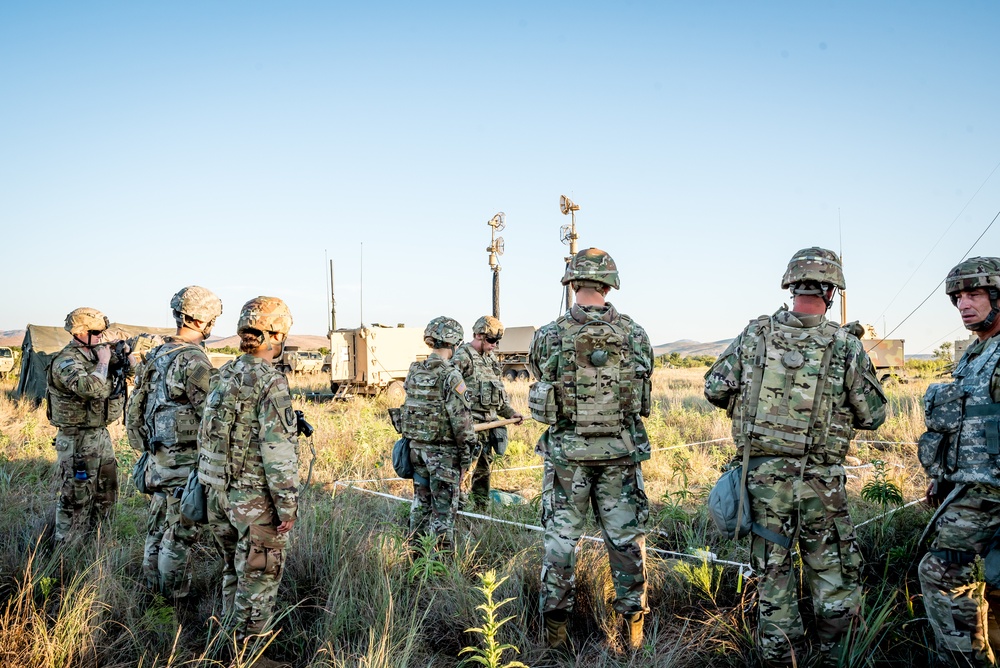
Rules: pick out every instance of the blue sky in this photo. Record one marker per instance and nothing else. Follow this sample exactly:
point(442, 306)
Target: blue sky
point(237, 145)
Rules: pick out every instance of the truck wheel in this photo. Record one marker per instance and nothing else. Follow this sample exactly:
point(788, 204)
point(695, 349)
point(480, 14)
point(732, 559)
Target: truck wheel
point(395, 394)
point(334, 387)
point(523, 375)
point(510, 374)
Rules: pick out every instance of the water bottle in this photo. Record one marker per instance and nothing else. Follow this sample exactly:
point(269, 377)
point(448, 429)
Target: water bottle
point(80, 472)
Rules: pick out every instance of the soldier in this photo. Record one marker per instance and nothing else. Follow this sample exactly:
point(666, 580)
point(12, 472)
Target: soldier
point(163, 416)
point(82, 401)
point(797, 386)
point(961, 455)
point(437, 419)
point(593, 366)
point(481, 371)
point(249, 462)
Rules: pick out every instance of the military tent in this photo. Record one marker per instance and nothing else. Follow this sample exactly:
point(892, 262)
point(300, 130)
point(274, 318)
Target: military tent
point(40, 345)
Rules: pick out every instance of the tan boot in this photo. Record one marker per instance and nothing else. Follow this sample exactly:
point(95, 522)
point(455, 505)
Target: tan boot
point(557, 630)
point(633, 630)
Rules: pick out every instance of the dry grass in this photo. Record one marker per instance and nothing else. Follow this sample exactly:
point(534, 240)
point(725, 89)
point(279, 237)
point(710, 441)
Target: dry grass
point(350, 600)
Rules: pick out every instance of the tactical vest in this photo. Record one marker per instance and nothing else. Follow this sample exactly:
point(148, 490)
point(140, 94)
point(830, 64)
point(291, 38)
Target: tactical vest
point(595, 373)
point(227, 437)
point(486, 390)
point(424, 415)
point(789, 406)
point(165, 421)
point(978, 452)
point(66, 409)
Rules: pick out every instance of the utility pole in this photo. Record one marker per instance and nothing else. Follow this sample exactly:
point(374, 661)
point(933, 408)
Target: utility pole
point(568, 235)
point(495, 249)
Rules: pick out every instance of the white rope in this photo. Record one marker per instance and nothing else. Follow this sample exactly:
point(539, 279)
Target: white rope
point(887, 442)
point(886, 514)
point(704, 555)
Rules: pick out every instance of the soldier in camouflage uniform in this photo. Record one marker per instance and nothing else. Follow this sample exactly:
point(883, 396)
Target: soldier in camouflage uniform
point(797, 386)
point(81, 403)
point(248, 460)
point(481, 371)
point(593, 366)
point(162, 418)
point(961, 453)
point(437, 419)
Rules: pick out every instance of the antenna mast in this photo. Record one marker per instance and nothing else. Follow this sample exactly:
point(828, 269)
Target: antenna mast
point(843, 293)
point(495, 249)
point(568, 235)
point(333, 303)
point(361, 274)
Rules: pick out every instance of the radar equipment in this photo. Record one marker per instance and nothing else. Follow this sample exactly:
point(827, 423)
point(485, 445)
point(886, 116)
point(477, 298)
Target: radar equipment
point(497, 223)
point(568, 235)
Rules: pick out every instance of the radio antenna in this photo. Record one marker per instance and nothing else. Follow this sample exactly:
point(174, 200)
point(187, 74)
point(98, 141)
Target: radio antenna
point(497, 223)
point(568, 235)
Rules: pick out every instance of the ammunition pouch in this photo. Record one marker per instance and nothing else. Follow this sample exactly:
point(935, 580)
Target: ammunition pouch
point(542, 402)
point(645, 400)
point(943, 418)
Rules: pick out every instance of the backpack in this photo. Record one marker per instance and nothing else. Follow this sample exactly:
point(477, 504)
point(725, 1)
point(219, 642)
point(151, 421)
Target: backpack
point(729, 504)
point(785, 398)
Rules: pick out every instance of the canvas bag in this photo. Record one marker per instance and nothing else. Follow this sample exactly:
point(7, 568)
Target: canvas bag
point(729, 504)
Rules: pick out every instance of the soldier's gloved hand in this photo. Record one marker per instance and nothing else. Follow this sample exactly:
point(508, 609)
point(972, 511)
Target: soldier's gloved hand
point(518, 417)
point(938, 491)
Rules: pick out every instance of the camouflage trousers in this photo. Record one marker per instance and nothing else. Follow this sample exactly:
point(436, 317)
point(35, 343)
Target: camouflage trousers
point(435, 508)
point(955, 595)
point(244, 524)
point(482, 460)
point(618, 497)
point(89, 481)
point(811, 506)
point(169, 539)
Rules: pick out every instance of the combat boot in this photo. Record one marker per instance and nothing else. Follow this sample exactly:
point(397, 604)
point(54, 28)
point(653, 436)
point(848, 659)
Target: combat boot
point(633, 630)
point(557, 630)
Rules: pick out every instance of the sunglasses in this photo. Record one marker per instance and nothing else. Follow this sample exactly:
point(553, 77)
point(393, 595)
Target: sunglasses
point(95, 332)
point(493, 339)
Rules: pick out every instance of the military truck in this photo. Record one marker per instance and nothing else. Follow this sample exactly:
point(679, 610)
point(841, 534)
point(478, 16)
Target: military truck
point(374, 360)
point(512, 351)
point(6, 361)
point(886, 354)
point(296, 360)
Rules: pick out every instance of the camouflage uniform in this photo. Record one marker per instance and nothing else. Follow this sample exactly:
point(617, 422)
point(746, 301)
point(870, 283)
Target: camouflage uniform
point(955, 596)
point(590, 461)
point(438, 421)
point(249, 460)
point(799, 491)
point(489, 401)
point(163, 415)
point(79, 404)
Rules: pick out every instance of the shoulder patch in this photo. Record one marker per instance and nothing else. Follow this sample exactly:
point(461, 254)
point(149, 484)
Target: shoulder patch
point(461, 388)
point(66, 363)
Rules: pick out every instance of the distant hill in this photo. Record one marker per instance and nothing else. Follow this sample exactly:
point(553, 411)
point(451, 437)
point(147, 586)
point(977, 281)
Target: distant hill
point(11, 337)
point(689, 348)
point(303, 341)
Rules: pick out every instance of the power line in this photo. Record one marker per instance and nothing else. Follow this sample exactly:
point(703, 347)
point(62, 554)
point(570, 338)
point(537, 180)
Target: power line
point(943, 235)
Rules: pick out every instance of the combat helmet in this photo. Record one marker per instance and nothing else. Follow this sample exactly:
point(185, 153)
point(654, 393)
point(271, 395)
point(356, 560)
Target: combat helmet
point(443, 330)
point(976, 272)
point(490, 326)
point(197, 303)
point(85, 319)
point(265, 314)
point(593, 265)
point(814, 264)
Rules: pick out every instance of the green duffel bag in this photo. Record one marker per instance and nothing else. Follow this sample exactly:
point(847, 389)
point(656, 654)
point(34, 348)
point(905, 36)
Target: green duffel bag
point(193, 502)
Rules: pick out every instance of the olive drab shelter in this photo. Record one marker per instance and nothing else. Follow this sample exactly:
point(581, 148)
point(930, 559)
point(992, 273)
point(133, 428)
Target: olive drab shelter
point(41, 343)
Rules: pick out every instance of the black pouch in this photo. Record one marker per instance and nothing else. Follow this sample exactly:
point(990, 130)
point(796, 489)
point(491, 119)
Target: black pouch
point(498, 440)
point(139, 473)
point(193, 502)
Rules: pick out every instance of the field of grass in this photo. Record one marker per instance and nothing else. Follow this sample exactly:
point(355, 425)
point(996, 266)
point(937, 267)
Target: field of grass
point(354, 598)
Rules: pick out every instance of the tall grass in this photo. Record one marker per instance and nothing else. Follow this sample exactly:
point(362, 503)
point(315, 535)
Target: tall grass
point(348, 595)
